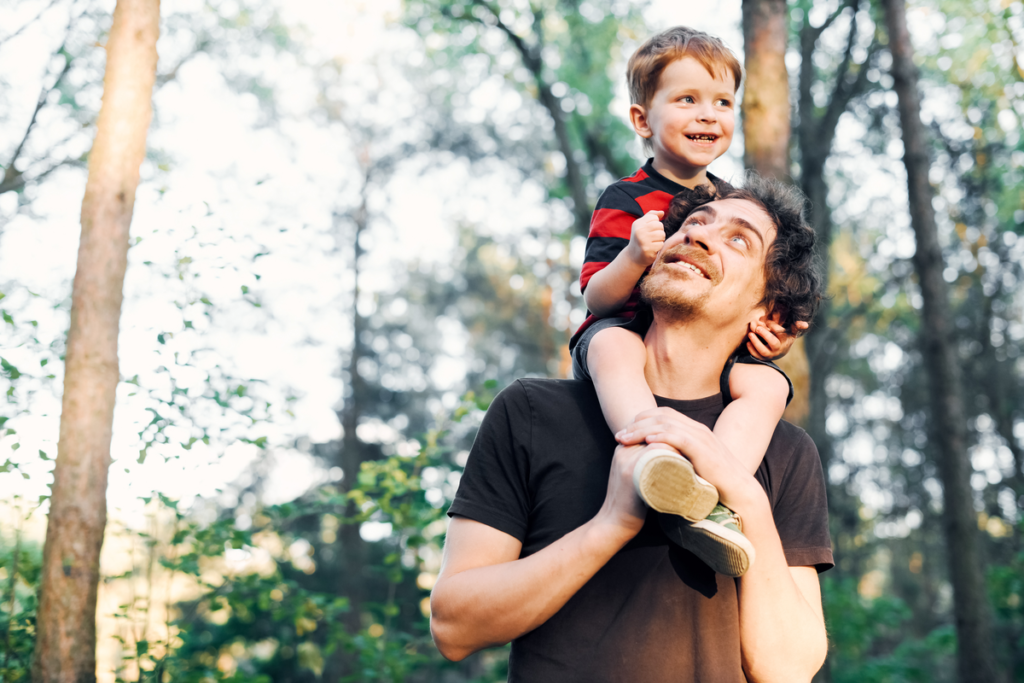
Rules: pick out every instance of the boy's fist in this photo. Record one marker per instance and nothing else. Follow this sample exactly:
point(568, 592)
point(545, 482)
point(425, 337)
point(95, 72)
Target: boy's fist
point(646, 238)
point(768, 340)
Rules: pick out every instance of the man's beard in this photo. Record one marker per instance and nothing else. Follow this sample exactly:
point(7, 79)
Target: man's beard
point(661, 290)
point(664, 290)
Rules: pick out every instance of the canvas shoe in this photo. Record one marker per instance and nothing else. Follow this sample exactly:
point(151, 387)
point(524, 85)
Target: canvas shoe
point(718, 540)
point(666, 481)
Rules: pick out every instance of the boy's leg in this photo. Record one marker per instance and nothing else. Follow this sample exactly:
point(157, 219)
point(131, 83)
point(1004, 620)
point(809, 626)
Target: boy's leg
point(664, 479)
point(616, 358)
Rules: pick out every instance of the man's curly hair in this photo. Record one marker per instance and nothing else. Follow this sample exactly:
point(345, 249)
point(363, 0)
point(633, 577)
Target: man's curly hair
point(793, 281)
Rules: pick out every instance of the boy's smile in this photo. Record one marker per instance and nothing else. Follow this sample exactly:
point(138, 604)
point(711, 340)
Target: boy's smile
point(690, 120)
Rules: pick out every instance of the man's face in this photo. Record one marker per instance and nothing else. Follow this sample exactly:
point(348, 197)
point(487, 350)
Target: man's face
point(714, 265)
point(691, 117)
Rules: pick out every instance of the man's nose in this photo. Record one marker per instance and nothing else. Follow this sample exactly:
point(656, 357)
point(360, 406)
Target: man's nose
point(700, 235)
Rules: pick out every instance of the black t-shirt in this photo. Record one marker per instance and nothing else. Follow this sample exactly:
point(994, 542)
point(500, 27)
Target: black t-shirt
point(654, 613)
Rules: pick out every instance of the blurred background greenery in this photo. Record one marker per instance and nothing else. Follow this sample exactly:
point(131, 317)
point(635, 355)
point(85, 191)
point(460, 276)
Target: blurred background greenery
point(359, 221)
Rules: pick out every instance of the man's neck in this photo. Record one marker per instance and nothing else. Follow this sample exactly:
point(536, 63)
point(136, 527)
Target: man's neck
point(685, 362)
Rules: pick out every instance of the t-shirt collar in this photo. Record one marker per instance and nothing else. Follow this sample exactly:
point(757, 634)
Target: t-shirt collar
point(666, 185)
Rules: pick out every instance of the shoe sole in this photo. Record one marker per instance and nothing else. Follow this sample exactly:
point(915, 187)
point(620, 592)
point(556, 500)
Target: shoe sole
point(667, 483)
point(726, 551)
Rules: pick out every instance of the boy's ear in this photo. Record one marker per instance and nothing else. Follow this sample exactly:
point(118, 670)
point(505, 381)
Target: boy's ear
point(638, 117)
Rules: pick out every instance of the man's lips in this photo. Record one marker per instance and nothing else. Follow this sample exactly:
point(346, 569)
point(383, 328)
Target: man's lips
point(694, 265)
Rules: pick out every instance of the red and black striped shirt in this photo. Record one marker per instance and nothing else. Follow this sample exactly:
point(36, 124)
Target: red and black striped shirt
point(618, 207)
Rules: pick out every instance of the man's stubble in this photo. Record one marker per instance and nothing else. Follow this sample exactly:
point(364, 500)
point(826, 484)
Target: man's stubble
point(664, 288)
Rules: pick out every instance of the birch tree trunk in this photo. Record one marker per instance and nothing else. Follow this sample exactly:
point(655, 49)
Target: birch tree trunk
point(66, 624)
point(975, 658)
point(766, 131)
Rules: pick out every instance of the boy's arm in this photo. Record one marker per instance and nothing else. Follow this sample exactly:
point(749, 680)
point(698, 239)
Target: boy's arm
point(610, 288)
point(747, 424)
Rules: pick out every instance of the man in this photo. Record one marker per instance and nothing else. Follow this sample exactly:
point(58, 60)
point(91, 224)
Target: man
point(551, 548)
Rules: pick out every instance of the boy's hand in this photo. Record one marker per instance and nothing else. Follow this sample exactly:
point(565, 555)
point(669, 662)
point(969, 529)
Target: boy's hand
point(646, 238)
point(768, 340)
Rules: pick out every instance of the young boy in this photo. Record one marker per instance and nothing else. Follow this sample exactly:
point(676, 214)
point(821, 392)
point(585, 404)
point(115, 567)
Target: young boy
point(683, 88)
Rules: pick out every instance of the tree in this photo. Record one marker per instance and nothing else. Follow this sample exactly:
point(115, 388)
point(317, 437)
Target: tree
point(766, 132)
point(975, 660)
point(766, 93)
point(565, 49)
point(66, 628)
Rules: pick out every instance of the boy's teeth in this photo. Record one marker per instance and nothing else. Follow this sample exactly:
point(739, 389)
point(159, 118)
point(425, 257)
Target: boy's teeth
point(703, 138)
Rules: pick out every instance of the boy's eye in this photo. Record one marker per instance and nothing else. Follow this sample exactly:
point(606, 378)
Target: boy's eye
point(687, 99)
point(724, 103)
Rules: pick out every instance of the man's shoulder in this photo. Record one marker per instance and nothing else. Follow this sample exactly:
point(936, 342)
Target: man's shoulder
point(791, 439)
point(544, 389)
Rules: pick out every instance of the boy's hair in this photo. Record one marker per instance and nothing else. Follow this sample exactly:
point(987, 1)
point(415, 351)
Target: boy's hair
point(645, 66)
point(792, 277)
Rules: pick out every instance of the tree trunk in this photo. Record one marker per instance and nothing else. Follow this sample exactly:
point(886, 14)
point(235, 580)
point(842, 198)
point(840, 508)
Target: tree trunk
point(350, 550)
point(66, 626)
point(766, 93)
point(766, 131)
point(975, 660)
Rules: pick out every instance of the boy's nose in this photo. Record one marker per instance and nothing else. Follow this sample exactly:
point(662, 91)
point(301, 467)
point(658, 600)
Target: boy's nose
point(707, 115)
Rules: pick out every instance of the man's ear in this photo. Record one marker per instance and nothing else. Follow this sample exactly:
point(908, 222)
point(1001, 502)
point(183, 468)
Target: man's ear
point(638, 117)
point(760, 316)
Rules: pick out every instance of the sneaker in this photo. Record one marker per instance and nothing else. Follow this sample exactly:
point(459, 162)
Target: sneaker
point(666, 481)
point(718, 540)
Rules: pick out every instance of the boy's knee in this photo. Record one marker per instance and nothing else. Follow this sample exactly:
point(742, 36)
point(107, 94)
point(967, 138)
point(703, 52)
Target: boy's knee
point(615, 339)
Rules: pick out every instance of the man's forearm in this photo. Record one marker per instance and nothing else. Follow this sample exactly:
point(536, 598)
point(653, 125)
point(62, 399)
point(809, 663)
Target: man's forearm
point(782, 633)
point(490, 605)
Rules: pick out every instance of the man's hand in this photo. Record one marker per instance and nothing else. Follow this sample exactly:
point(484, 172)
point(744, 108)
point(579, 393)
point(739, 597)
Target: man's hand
point(646, 238)
point(623, 510)
point(737, 488)
point(768, 340)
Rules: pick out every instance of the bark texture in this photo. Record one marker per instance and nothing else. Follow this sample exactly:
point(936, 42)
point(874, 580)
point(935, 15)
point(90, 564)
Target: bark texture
point(766, 93)
point(975, 659)
point(66, 626)
point(766, 131)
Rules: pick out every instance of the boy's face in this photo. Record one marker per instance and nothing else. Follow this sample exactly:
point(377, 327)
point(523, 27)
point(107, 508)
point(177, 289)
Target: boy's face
point(689, 121)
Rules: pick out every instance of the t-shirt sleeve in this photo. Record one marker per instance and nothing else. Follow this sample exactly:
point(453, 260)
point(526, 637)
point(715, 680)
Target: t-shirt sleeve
point(610, 227)
point(494, 489)
point(801, 509)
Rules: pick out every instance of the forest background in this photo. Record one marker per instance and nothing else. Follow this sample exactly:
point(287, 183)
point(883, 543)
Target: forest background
point(356, 223)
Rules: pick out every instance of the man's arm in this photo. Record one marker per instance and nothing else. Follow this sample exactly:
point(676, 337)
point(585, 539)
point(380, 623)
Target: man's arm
point(486, 595)
point(782, 627)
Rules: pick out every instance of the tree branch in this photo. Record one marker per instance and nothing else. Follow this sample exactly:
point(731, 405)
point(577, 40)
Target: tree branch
point(29, 22)
point(832, 17)
point(11, 174)
point(531, 57)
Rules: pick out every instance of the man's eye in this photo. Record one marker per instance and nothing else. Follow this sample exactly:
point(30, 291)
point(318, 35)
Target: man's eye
point(740, 239)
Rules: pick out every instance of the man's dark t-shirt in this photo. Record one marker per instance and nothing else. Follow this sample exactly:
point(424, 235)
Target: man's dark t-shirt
point(655, 613)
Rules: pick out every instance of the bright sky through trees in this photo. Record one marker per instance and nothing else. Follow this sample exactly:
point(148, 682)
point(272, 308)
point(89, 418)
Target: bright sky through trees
point(234, 184)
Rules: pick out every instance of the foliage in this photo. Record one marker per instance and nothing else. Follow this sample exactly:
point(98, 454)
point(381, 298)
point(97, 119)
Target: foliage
point(256, 619)
point(20, 565)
